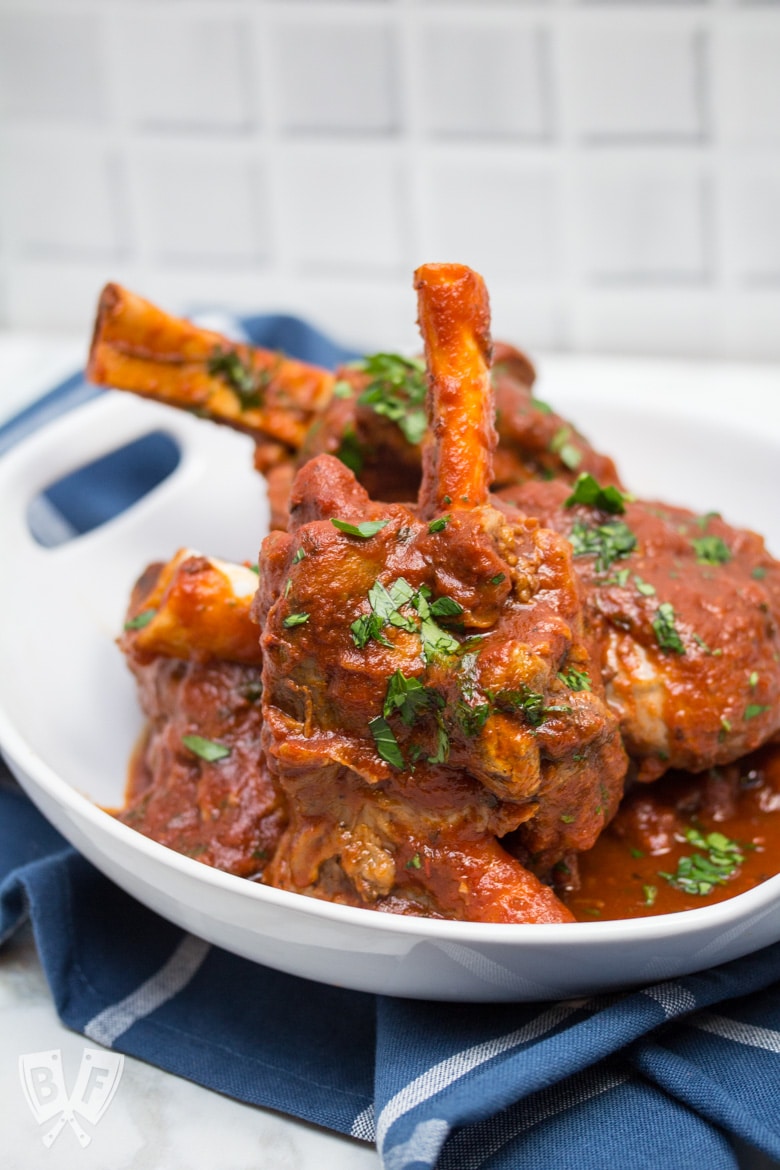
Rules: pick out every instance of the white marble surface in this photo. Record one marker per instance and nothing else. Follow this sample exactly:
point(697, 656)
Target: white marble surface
point(155, 1121)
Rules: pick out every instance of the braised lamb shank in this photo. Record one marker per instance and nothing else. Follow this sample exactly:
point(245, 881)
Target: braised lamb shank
point(426, 686)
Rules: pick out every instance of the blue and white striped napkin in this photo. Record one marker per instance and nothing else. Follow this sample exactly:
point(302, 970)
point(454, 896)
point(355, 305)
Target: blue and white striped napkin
point(677, 1076)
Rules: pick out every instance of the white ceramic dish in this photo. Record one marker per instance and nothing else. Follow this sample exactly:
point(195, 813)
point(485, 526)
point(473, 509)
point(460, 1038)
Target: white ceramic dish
point(68, 716)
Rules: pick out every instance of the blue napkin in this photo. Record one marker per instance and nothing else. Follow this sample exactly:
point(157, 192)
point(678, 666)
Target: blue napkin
point(678, 1076)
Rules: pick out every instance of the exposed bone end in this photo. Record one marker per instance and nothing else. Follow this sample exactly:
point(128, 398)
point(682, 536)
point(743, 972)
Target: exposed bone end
point(127, 323)
point(194, 608)
point(454, 316)
point(454, 319)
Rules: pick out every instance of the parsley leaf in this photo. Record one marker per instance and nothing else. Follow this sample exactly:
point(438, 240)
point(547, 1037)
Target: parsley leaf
point(239, 375)
point(606, 542)
point(446, 607)
point(575, 680)
point(366, 627)
point(569, 455)
point(397, 391)
point(408, 696)
point(295, 619)
point(350, 452)
point(711, 550)
point(435, 640)
point(665, 630)
point(386, 743)
point(702, 872)
point(364, 530)
point(531, 703)
point(141, 619)
point(441, 755)
point(587, 491)
point(439, 524)
point(207, 749)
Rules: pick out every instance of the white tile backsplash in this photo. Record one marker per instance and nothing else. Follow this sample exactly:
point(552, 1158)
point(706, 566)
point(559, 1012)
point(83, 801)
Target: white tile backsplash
point(642, 223)
point(51, 67)
point(610, 165)
point(202, 207)
point(61, 198)
point(751, 83)
point(498, 219)
point(336, 75)
point(484, 81)
point(629, 81)
point(343, 209)
point(177, 72)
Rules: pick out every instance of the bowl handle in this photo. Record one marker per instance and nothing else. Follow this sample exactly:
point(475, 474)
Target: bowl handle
point(68, 444)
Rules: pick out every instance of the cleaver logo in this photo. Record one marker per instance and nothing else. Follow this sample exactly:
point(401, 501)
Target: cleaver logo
point(43, 1082)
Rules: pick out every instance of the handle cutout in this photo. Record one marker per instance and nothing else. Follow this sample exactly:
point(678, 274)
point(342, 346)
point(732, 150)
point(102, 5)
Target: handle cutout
point(100, 491)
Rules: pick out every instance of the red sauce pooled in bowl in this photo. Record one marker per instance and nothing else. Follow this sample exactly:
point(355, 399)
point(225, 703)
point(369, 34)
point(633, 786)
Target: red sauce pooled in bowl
point(683, 842)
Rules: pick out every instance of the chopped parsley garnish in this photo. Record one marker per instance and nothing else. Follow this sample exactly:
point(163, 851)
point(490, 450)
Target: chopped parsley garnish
point(446, 607)
point(350, 452)
point(644, 587)
point(414, 862)
point(650, 894)
point(299, 556)
point(575, 680)
point(498, 579)
point(397, 391)
point(703, 521)
point(247, 383)
point(407, 696)
point(342, 389)
point(366, 627)
point(711, 550)
point(606, 542)
point(207, 749)
point(439, 524)
point(543, 407)
point(386, 743)
point(386, 604)
point(364, 530)
point(753, 680)
point(441, 755)
point(758, 573)
point(753, 710)
point(470, 719)
point(569, 455)
point(295, 619)
point(530, 703)
point(587, 491)
point(435, 640)
point(620, 578)
point(665, 630)
point(702, 872)
point(141, 619)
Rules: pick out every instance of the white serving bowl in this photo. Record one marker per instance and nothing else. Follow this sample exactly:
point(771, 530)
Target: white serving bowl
point(69, 718)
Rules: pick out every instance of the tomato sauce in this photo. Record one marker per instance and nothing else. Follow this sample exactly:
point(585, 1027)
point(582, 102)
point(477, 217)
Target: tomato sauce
point(660, 824)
